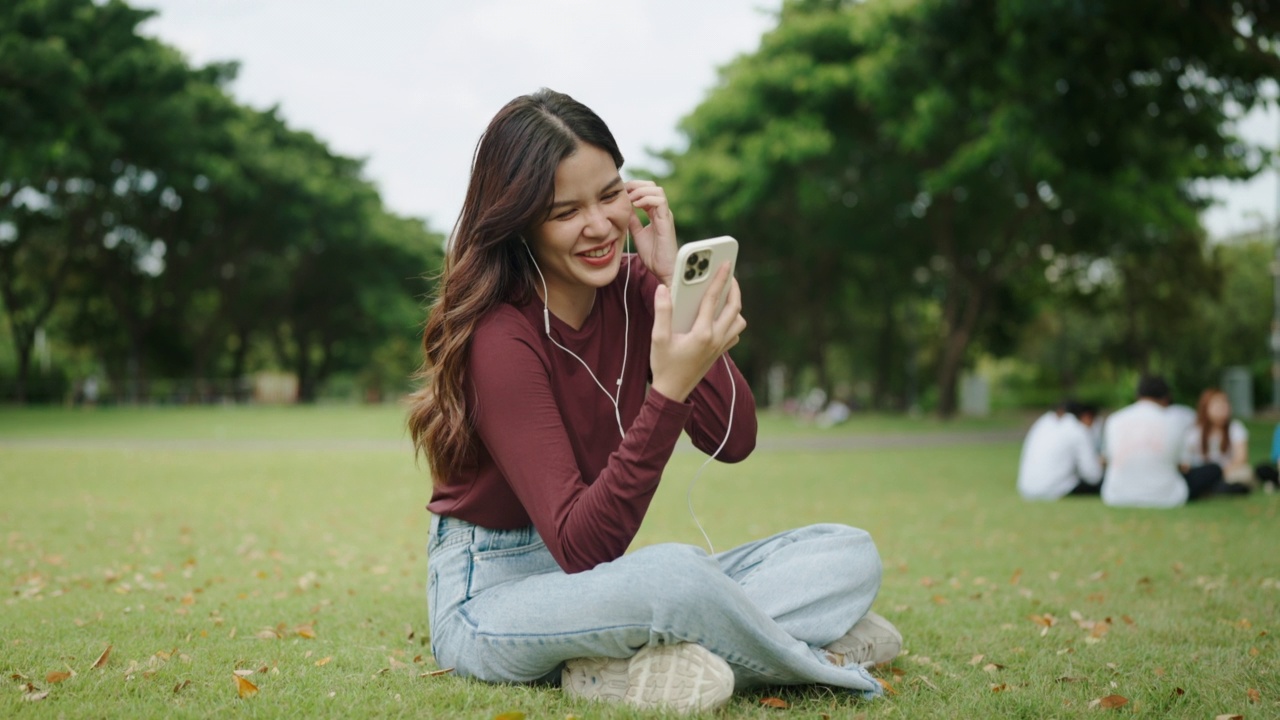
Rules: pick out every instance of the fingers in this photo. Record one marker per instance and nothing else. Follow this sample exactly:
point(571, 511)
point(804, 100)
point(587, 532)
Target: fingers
point(661, 313)
point(649, 196)
point(731, 314)
point(707, 309)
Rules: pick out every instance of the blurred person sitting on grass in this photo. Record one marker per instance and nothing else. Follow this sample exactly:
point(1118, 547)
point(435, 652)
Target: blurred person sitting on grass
point(544, 467)
point(1059, 457)
point(1143, 444)
point(1218, 441)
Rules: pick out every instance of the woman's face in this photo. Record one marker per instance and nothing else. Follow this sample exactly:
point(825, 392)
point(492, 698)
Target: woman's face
point(1218, 410)
point(579, 245)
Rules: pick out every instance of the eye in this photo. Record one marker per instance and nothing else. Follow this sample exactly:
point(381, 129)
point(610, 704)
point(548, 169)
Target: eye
point(612, 195)
point(565, 215)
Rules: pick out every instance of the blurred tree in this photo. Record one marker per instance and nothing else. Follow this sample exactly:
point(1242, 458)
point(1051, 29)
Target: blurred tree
point(782, 155)
point(980, 139)
point(176, 224)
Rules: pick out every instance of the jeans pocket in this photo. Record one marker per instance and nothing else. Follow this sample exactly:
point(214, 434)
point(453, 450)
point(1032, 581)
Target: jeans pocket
point(490, 568)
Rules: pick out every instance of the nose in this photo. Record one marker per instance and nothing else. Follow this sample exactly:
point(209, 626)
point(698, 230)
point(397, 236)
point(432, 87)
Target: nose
point(597, 225)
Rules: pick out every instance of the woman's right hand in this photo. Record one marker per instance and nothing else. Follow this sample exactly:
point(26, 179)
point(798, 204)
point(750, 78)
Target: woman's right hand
point(679, 361)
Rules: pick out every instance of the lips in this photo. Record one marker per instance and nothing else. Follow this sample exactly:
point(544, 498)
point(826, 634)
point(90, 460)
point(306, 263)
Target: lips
point(599, 256)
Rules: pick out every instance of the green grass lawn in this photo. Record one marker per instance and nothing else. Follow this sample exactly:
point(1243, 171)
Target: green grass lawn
point(297, 559)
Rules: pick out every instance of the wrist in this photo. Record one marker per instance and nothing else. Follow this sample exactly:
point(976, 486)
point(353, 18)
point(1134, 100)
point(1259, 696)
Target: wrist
point(669, 390)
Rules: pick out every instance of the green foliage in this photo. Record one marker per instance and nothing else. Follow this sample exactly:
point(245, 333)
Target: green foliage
point(875, 158)
point(147, 215)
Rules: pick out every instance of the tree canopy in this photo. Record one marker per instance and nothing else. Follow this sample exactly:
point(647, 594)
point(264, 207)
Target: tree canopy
point(901, 167)
point(148, 216)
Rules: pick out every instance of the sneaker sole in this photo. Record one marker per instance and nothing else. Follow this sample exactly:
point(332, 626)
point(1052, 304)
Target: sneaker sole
point(685, 677)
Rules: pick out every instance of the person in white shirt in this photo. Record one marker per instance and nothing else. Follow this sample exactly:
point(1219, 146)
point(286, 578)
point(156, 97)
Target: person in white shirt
point(1059, 457)
point(1217, 439)
point(1143, 445)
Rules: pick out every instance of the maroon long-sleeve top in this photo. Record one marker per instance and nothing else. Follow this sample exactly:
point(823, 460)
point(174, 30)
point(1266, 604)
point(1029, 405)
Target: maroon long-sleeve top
point(549, 451)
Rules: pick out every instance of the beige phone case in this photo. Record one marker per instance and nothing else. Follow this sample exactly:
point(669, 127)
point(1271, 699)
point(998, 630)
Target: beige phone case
point(696, 264)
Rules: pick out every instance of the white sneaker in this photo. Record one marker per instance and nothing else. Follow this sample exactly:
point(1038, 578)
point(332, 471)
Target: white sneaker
point(871, 641)
point(685, 677)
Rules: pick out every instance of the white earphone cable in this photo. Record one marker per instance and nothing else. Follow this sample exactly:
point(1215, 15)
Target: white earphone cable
point(546, 323)
point(733, 401)
point(615, 397)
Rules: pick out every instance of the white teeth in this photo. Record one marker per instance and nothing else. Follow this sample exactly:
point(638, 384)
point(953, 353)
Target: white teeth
point(598, 253)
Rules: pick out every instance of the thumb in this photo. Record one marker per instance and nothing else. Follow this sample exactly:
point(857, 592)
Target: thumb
point(662, 312)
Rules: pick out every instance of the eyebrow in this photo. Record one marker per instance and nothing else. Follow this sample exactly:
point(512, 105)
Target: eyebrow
point(616, 181)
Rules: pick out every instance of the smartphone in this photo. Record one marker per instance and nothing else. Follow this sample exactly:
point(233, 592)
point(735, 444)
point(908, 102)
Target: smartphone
point(696, 263)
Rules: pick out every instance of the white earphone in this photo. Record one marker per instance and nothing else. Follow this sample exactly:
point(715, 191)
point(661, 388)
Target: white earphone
point(617, 394)
point(626, 336)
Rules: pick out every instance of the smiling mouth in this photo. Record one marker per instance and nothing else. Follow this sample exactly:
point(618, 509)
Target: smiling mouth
point(598, 252)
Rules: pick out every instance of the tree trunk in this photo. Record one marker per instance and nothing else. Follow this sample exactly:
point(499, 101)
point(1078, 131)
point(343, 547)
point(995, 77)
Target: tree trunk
point(304, 369)
point(24, 350)
point(881, 385)
point(238, 361)
point(959, 333)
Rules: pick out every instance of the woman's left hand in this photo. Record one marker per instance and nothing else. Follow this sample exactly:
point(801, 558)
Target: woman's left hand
point(655, 242)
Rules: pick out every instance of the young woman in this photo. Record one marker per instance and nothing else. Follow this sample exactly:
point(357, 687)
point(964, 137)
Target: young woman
point(1219, 443)
point(555, 393)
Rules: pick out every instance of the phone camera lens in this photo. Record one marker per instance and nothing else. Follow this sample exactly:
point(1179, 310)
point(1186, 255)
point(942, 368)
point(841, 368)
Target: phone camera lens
point(690, 274)
point(702, 264)
point(693, 260)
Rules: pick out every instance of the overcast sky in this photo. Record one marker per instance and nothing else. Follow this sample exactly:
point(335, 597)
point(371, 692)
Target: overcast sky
point(410, 84)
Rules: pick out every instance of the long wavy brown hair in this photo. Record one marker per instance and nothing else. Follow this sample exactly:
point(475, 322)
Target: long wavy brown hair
point(511, 190)
point(1206, 425)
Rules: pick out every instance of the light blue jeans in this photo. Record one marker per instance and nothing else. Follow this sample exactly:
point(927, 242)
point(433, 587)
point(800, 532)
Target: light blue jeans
point(502, 610)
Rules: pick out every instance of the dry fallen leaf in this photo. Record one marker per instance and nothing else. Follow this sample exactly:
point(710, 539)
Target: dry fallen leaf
point(926, 681)
point(324, 661)
point(774, 702)
point(306, 631)
point(56, 676)
point(35, 695)
point(999, 688)
point(182, 685)
point(244, 687)
point(992, 667)
point(437, 673)
point(1111, 702)
point(1229, 716)
point(887, 687)
point(242, 672)
point(976, 659)
point(1254, 696)
point(511, 715)
point(1179, 692)
point(102, 659)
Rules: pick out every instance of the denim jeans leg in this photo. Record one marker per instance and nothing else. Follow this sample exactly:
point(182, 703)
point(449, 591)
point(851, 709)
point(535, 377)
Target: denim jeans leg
point(504, 615)
point(814, 581)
